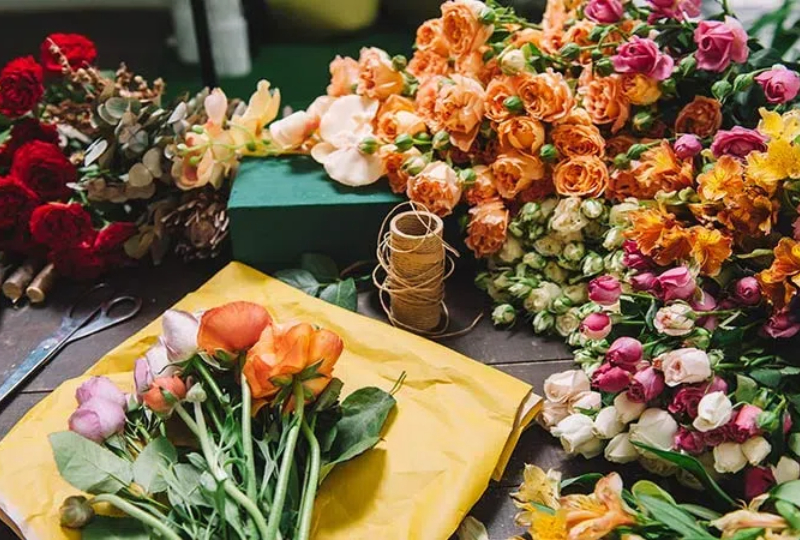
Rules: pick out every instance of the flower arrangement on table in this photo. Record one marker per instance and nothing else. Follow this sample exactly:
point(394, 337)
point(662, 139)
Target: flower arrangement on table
point(234, 421)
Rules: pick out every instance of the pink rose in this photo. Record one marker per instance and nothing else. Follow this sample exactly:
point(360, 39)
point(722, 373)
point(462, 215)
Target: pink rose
point(687, 146)
point(747, 420)
point(605, 290)
point(719, 43)
point(646, 385)
point(686, 400)
point(738, 142)
point(779, 84)
point(673, 9)
point(100, 387)
point(625, 352)
point(633, 258)
point(611, 379)
point(604, 11)
point(644, 281)
point(642, 55)
point(782, 325)
point(757, 480)
point(706, 302)
point(97, 419)
point(689, 441)
point(676, 284)
point(596, 326)
point(747, 291)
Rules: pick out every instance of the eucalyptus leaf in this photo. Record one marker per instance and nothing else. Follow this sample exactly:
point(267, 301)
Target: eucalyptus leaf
point(321, 266)
point(790, 513)
point(87, 465)
point(95, 151)
point(674, 518)
point(342, 294)
point(148, 468)
point(299, 279)
point(108, 528)
point(116, 107)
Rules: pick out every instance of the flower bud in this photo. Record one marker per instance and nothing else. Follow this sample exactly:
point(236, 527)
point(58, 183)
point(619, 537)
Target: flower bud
point(515, 229)
point(548, 152)
point(621, 161)
point(467, 176)
point(570, 51)
point(668, 87)
point(196, 394)
point(403, 142)
point(614, 238)
point(687, 65)
point(721, 89)
point(614, 262)
point(596, 326)
point(513, 104)
point(605, 290)
point(592, 264)
point(592, 208)
point(596, 33)
point(512, 62)
point(503, 315)
point(577, 293)
point(604, 67)
point(487, 16)
point(482, 280)
point(441, 141)
point(553, 272)
point(399, 62)
point(561, 305)
point(636, 151)
point(568, 322)
point(520, 290)
point(743, 82)
point(195, 160)
point(581, 356)
point(75, 512)
point(574, 251)
point(368, 145)
point(415, 165)
point(534, 260)
point(747, 291)
point(198, 129)
point(643, 121)
point(535, 232)
point(700, 338)
point(543, 322)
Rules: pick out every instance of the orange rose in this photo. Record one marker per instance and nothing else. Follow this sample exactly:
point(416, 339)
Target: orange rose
point(377, 78)
point(576, 116)
point(232, 328)
point(724, 179)
point(483, 188)
point(393, 162)
point(462, 28)
point(471, 65)
point(514, 171)
point(486, 232)
point(578, 34)
point(155, 398)
point(581, 176)
point(459, 110)
point(578, 140)
point(710, 248)
point(604, 100)
point(425, 101)
point(623, 184)
point(521, 132)
point(618, 145)
point(527, 35)
point(660, 170)
point(555, 18)
point(395, 117)
point(703, 117)
point(640, 89)
point(781, 280)
point(344, 76)
point(426, 64)
point(647, 228)
point(430, 38)
point(546, 96)
point(497, 92)
point(436, 188)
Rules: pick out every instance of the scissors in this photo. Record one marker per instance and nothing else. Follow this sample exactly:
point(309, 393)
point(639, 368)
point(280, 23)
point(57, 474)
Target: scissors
point(87, 316)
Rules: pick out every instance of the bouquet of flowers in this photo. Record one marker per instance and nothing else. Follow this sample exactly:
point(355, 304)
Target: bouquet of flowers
point(234, 421)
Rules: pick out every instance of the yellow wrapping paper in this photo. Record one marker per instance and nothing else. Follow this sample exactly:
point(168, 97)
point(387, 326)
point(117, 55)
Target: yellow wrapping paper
point(454, 427)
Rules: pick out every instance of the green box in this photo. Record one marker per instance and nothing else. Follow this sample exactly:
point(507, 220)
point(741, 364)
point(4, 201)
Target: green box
point(283, 207)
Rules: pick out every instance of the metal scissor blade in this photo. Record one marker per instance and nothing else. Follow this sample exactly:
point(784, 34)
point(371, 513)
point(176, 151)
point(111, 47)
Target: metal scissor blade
point(35, 360)
point(104, 320)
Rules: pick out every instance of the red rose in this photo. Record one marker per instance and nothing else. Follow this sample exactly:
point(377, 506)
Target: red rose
point(45, 169)
point(81, 262)
point(110, 242)
point(20, 86)
point(17, 202)
point(25, 130)
point(58, 225)
point(77, 49)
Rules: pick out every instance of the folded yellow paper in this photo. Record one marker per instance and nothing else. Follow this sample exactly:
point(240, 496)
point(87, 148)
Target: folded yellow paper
point(455, 424)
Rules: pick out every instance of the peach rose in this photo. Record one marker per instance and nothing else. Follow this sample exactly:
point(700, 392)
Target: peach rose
point(618, 145)
point(577, 116)
point(497, 92)
point(546, 96)
point(604, 100)
point(430, 38)
point(640, 89)
point(376, 76)
point(426, 64)
point(393, 162)
point(395, 117)
point(514, 171)
point(527, 35)
point(703, 117)
point(344, 76)
point(486, 232)
point(425, 101)
point(459, 110)
point(232, 328)
point(483, 188)
point(521, 132)
point(578, 140)
point(578, 34)
point(436, 188)
point(471, 65)
point(462, 27)
point(581, 176)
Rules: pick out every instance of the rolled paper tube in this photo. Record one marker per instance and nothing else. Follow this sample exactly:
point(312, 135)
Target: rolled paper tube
point(14, 286)
point(42, 284)
point(416, 280)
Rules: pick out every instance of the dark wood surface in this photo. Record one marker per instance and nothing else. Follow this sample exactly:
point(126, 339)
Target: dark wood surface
point(517, 352)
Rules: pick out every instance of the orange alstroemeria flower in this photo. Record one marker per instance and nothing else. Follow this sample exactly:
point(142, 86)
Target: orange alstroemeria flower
point(710, 248)
point(232, 328)
point(592, 517)
point(781, 280)
point(724, 179)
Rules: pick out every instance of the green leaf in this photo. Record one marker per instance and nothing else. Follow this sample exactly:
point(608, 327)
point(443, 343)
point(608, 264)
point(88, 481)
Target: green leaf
point(771, 378)
point(674, 518)
point(794, 443)
point(321, 267)
point(701, 511)
point(299, 279)
point(150, 464)
point(746, 389)
point(788, 491)
point(790, 371)
point(651, 489)
point(329, 396)
point(108, 528)
point(342, 294)
point(588, 479)
point(695, 468)
point(87, 465)
point(790, 513)
point(183, 486)
point(747, 534)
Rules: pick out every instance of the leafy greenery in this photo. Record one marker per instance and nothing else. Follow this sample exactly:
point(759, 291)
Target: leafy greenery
point(88, 466)
point(319, 276)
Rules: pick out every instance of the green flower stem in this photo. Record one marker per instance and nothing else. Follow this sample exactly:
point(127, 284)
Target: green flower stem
point(137, 513)
point(212, 384)
point(286, 464)
point(247, 444)
point(310, 491)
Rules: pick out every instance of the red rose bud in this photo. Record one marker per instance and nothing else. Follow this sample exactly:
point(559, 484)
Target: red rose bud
point(611, 379)
point(596, 326)
point(757, 481)
point(625, 352)
point(58, 225)
point(676, 284)
point(164, 394)
point(644, 281)
point(646, 385)
point(779, 84)
point(79, 51)
point(20, 86)
point(605, 290)
point(747, 291)
point(690, 442)
point(45, 169)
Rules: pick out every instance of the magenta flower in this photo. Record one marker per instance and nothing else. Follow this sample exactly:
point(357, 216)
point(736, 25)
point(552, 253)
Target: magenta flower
point(747, 291)
point(781, 325)
point(673, 9)
point(779, 84)
point(676, 284)
point(719, 43)
point(604, 11)
point(691, 442)
point(633, 258)
point(642, 55)
point(596, 326)
point(611, 379)
point(625, 352)
point(645, 281)
point(738, 142)
point(97, 419)
point(605, 290)
point(757, 481)
point(687, 146)
point(646, 385)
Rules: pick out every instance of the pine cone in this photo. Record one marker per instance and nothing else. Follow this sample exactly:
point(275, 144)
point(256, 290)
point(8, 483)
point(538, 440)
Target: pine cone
point(199, 224)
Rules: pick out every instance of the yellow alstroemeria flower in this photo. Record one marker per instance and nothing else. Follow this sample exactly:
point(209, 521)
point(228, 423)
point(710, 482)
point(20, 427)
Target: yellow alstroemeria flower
point(776, 126)
point(779, 162)
point(592, 517)
point(549, 526)
point(249, 129)
point(538, 487)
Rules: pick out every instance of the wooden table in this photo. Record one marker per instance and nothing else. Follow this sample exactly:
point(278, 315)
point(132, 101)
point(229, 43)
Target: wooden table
point(517, 352)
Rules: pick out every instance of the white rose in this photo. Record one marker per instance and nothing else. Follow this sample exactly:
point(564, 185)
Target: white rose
point(607, 424)
point(618, 216)
point(729, 458)
point(627, 410)
point(620, 449)
point(786, 470)
point(561, 387)
point(568, 322)
point(540, 298)
point(548, 245)
point(683, 366)
point(655, 428)
point(511, 251)
point(674, 320)
point(756, 450)
point(585, 401)
point(291, 131)
point(577, 435)
point(578, 294)
point(554, 272)
point(567, 217)
point(713, 411)
point(553, 413)
point(513, 62)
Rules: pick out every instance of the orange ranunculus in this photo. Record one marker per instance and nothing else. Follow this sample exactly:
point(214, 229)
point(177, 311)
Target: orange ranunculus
point(287, 349)
point(724, 179)
point(749, 213)
point(581, 176)
point(497, 92)
point(425, 101)
point(155, 399)
point(232, 328)
point(462, 28)
point(648, 225)
point(486, 232)
point(710, 248)
point(430, 38)
point(546, 96)
point(344, 76)
point(781, 280)
point(659, 169)
point(436, 188)
point(377, 78)
point(640, 89)
point(395, 117)
point(483, 188)
point(426, 64)
point(459, 110)
point(578, 140)
point(393, 162)
point(592, 517)
point(703, 117)
point(604, 100)
point(514, 171)
point(618, 145)
point(522, 133)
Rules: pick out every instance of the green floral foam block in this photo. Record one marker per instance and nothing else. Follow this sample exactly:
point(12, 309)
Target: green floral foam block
point(281, 208)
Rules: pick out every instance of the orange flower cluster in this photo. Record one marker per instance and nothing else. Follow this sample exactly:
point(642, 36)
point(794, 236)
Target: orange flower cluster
point(781, 281)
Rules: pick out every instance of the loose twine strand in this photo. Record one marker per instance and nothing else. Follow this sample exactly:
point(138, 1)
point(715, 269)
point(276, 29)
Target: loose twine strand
point(413, 263)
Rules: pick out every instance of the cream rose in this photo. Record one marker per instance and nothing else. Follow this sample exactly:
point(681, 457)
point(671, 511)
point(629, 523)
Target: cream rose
point(756, 450)
point(655, 428)
point(729, 458)
point(786, 470)
point(540, 298)
point(674, 320)
point(562, 387)
point(627, 410)
point(713, 411)
point(553, 413)
point(621, 450)
point(567, 217)
point(585, 401)
point(577, 436)
point(607, 424)
point(377, 78)
point(683, 366)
